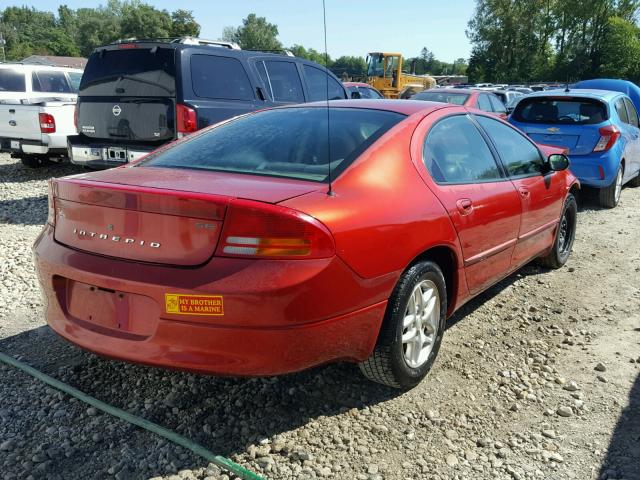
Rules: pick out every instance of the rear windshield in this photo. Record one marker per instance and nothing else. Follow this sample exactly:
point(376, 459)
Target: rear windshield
point(442, 97)
point(288, 143)
point(571, 111)
point(137, 72)
point(11, 80)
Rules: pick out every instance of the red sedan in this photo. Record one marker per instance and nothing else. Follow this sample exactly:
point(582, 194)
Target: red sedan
point(257, 247)
point(480, 99)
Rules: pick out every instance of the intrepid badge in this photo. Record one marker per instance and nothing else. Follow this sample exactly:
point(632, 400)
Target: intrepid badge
point(115, 238)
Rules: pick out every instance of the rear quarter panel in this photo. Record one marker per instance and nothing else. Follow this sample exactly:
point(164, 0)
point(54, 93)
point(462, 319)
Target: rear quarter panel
point(382, 215)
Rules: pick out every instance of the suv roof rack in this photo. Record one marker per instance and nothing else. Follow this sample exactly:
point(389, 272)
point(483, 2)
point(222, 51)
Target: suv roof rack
point(181, 40)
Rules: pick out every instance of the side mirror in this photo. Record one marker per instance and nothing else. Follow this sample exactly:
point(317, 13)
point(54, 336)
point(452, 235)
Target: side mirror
point(558, 161)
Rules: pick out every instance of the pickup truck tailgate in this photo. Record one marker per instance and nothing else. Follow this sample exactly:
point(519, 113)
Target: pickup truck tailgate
point(20, 121)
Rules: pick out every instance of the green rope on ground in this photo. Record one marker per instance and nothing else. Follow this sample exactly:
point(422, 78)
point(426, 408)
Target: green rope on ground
point(218, 460)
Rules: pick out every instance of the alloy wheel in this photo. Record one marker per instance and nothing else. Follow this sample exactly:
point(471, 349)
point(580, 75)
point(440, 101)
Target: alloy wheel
point(420, 323)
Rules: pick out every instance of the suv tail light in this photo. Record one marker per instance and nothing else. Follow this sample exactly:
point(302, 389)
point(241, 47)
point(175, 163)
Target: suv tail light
point(47, 123)
point(255, 230)
point(51, 214)
point(609, 135)
point(186, 119)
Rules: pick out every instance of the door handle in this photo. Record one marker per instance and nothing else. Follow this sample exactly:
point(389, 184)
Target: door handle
point(524, 193)
point(465, 206)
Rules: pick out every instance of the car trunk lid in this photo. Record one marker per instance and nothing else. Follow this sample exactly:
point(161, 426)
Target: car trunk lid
point(578, 140)
point(166, 216)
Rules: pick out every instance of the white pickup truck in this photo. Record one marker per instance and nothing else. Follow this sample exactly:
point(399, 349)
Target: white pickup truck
point(36, 132)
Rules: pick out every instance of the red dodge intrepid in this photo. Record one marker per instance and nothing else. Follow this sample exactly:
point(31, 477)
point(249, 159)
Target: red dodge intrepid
point(258, 247)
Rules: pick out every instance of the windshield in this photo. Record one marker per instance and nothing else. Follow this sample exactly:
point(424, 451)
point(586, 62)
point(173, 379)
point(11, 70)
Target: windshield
point(376, 65)
point(288, 143)
point(140, 72)
point(442, 97)
point(564, 110)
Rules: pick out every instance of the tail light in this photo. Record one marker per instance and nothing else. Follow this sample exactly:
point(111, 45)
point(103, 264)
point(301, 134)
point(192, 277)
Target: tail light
point(186, 119)
point(51, 214)
point(609, 135)
point(47, 123)
point(255, 230)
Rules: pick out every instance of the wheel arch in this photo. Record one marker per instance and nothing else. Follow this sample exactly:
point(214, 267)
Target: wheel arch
point(447, 259)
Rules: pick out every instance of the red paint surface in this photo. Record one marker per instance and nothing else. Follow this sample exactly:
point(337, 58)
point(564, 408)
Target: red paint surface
point(279, 315)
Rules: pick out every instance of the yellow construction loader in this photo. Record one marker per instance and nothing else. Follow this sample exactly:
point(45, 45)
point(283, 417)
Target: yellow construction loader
point(384, 72)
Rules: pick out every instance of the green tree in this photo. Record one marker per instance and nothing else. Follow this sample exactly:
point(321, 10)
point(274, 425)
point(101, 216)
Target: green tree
point(621, 50)
point(140, 20)
point(310, 54)
point(255, 33)
point(352, 66)
point(183, 24)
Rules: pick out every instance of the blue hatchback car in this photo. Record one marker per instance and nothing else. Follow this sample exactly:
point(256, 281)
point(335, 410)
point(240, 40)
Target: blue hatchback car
point(599, 129)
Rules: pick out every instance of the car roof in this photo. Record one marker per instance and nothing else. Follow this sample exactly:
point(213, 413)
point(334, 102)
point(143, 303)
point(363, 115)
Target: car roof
point(405, 107)
point(28, 67)
point(605, 95)
point(468, 91)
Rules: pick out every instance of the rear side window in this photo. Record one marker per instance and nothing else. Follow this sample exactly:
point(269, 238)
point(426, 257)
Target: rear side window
point(50, 81)
point(622, 110)
point(442, 97)
point(220, 77)
point(140, 72)
point(290, 142)
point(564, 110)
point(318, 88)
point(484, 103)
point(74, 80)
point(455, 152)
point(11, 81)
point(282, 80)
point(632, 112)
point(519, 155)
point(370, 93)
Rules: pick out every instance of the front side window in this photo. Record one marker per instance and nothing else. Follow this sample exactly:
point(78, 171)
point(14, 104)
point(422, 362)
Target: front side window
point(497, 105)
point(291, 142)
point(632, 112)
point(11, 80)
point(484, 103)
point(220, 77)
point(50, 81)
point(318, 88)
point(518, 154)
point(282, 80)
point(455, 152)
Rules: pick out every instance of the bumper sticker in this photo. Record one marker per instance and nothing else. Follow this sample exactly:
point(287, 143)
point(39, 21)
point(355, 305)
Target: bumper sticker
point(194, 304)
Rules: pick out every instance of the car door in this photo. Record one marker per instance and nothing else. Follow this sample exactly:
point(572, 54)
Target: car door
point(633, 159)
point(482, 203)
point(540, 190)
point(322, 86)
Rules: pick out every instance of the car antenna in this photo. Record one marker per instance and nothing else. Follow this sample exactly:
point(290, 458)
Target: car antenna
point(326, 66)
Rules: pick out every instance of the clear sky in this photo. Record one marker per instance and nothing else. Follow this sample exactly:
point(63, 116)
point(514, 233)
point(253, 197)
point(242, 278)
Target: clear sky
point(353, 27)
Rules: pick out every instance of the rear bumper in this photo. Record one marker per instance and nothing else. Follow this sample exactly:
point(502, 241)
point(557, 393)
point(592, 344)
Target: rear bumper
point(279, 316)
point(595, 170)
point(103, 155)
point(20, 146)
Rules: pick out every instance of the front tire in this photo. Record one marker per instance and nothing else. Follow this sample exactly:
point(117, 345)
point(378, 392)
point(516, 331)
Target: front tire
point(565, 235)
point(610, 196)
point(412, 329)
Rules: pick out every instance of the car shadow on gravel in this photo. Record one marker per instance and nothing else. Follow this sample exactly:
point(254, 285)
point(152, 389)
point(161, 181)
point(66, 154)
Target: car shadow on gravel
point(17, 172)
point(622, 459)
point(24, 211)
point(225, 415)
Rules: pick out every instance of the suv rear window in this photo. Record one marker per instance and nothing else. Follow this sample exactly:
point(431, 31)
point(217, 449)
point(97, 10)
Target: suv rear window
point(220, 77)
point(138, 72)
point(288, 143)
point(11, 80)
point(561, 110)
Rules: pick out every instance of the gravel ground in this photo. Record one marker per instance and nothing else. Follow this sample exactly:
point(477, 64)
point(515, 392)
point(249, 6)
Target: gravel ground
point(537, 378)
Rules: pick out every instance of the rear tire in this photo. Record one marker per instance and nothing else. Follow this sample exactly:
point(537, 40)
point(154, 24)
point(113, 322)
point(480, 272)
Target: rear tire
point(565, 236)
point(635, 182)
point(35, 161)
point(403, 364)
point(610, 196)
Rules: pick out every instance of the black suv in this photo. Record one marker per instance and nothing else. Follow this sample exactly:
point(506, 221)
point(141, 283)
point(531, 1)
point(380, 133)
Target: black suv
point(135, 96)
